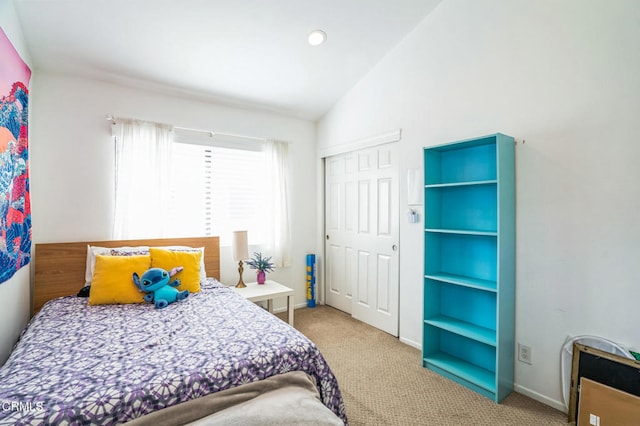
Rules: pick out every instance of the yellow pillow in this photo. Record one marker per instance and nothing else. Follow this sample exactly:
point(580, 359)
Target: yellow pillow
point(167, 259)
point(112, 280)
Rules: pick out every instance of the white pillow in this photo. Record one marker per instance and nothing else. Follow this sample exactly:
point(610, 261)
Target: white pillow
point(93, 251)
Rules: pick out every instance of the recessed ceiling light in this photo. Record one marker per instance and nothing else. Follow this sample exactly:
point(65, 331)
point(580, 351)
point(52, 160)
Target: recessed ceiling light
point(317, 37)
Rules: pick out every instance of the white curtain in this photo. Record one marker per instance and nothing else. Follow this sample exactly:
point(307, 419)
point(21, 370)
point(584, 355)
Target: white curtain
point(143, 154)
point(278, 235)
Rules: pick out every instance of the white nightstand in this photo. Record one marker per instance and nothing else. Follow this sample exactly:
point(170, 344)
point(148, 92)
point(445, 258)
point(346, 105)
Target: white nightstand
point(268, 291)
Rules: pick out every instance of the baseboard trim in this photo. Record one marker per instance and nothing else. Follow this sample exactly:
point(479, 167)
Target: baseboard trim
point(410, 343)
point(284, 309)
point(540, 398)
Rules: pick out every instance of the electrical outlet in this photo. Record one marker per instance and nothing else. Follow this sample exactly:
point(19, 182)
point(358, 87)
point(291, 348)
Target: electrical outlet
point(524, 353)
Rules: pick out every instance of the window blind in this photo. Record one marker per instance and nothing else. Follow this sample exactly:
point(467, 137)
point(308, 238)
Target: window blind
point(216, 190)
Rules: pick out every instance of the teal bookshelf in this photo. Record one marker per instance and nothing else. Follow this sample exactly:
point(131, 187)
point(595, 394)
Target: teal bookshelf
point(469, 263)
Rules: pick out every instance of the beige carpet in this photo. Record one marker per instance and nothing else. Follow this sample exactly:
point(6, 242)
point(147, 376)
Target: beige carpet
point(384, 383)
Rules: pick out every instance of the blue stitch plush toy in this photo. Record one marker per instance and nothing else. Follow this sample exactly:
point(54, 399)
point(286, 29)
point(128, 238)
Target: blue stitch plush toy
point(155, 282)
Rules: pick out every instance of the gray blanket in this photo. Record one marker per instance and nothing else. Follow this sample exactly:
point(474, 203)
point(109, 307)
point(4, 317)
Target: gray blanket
point(284, 399)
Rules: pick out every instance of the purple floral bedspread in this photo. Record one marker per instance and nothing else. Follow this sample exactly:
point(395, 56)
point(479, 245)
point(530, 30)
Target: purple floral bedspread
point(78, 364)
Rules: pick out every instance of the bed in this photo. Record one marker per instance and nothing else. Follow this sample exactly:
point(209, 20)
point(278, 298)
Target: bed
point(213, 358)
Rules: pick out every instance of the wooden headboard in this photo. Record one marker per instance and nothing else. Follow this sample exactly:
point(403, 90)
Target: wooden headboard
point(60, 267)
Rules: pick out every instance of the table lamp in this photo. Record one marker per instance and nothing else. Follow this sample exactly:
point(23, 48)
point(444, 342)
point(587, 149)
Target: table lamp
point(240, 252)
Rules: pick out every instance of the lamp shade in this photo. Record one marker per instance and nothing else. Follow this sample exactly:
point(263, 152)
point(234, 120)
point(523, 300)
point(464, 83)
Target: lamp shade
point(240, 245)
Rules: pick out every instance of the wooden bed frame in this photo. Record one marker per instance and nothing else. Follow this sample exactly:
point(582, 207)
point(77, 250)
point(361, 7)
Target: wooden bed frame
point(60, 267)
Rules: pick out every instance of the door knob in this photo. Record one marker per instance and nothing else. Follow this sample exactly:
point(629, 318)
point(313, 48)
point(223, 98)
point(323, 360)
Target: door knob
point(327, 236)
point(394, 247)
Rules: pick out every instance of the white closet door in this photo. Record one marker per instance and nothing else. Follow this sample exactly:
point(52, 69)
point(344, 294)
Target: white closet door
point(362, 233)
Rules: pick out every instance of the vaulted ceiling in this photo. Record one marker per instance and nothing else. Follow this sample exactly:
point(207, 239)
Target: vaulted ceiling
point(245, 52)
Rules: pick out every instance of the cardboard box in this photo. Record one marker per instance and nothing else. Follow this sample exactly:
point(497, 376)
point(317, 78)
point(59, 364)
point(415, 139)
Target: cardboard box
point(602, 405)
point(603, 367)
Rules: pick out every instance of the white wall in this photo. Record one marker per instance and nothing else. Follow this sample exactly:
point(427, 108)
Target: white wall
point(72, 171)
point(562, 78)
point(15, 292)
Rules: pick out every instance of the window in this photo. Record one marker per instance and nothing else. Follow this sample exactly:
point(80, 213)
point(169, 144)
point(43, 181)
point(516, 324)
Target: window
point(183, 183)
point(216, 190)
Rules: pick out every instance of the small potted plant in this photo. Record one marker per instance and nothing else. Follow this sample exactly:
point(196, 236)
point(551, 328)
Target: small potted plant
point(262, 264)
